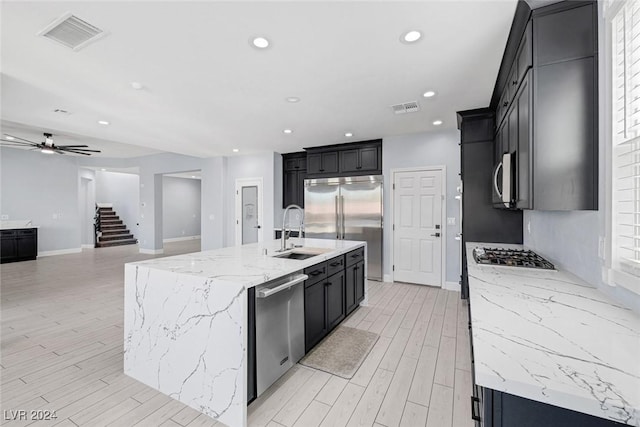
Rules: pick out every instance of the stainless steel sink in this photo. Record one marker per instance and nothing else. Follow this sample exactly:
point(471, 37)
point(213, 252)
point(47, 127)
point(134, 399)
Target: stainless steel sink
point(302, 253)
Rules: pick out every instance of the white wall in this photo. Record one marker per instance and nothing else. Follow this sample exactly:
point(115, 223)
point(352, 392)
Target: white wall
point(181, 207)
point(86, 206)
point(44, 189)
point(123, 190)
point(425, 149)
point(255, 166)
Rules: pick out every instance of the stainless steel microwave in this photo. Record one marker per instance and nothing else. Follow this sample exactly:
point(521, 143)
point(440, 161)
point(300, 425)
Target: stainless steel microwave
point(504, 182)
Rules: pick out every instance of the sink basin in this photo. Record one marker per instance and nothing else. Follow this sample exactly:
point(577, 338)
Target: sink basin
point(302, 253)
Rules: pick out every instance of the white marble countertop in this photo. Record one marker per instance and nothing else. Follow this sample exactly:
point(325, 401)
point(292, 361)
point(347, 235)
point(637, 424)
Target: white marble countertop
point(246, 264)
point(549, 336)
point(19, 224)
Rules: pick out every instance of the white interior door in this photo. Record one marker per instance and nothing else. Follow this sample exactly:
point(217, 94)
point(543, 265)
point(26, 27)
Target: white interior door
point(417, 228)
point(249, 211)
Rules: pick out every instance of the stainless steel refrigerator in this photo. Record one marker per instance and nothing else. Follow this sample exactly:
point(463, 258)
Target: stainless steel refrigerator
point(348, 209)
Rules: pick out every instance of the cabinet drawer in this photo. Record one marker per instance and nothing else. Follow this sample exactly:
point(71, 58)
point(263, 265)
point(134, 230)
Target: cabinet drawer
point(334, 265)
point(355, 256)
point(27, 232)
point(7, 234)
point(316, 272)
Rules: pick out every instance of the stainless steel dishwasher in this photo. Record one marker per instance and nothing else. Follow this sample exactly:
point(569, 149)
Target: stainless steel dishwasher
point(279, 328)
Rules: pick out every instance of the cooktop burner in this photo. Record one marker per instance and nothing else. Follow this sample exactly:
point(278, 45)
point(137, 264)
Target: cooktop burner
point(511, 258)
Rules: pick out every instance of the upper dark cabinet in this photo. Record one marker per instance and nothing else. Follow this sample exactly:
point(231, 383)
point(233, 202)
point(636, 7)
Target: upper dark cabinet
point(562, 35)
point(322, 163)
point(358, 158)
point(294, 171)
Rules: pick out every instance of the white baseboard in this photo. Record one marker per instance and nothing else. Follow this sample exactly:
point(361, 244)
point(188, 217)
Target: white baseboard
point(104, 205)
point(60, 252)
point(151, 251)
point(180, 239)
point(88, 246)
point(452, 286)
point(387, 278)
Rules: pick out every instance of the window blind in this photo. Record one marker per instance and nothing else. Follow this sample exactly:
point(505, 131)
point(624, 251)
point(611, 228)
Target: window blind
point(625, 27)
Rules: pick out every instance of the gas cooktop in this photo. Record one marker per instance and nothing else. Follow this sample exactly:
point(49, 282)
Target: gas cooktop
point(511, 258)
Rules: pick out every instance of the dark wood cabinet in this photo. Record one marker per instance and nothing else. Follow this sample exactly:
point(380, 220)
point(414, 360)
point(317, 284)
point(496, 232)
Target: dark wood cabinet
point(354, 286)
point(524, 180)
point(294, 171)
point(322, 163)
point(352, 159)
point(315, 319)
point(335, 300)
point(18, 245)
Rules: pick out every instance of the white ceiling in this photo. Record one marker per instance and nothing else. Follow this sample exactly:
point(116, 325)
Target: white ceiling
point(207, 91)
point(187, 175)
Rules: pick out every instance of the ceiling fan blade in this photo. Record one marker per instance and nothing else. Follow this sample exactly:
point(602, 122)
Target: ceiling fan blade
point(79, 149)
point(75, 152)
point(71, 146)
point(18, 143)
point(21, 139)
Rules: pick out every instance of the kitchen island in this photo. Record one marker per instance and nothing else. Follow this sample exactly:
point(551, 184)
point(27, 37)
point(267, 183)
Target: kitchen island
point(544, 340)
point(186, 320)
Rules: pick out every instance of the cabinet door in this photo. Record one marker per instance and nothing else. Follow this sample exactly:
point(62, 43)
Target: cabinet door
point(350, 161)
point(329, 162)
point(565, 127)
point(359, 276)
point(8, 248)
point(368, 159)
point(335, 300)
point(314, 163)
point(315, 321)
point(290, 164)
point(290, 188)
point(26, 244)
point(350, 288)
point(524, 56)
point(524, 103)
point(300, 176)
point(501, 146)
point(564, 35)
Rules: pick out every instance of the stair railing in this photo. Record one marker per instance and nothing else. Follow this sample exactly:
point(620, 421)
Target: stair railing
point(96, 226)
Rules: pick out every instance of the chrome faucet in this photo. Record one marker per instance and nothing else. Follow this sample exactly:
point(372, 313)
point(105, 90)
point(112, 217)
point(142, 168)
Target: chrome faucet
point(284, 237)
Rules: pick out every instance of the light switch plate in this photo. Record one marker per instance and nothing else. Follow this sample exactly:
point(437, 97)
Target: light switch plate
point(4, 217)
point(451, 221)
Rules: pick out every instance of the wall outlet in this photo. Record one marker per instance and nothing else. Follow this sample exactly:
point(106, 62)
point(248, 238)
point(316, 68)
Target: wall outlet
point(212, 217)
point(4, 217)
point(451, 221)
point(601, 246)
point(529, 226)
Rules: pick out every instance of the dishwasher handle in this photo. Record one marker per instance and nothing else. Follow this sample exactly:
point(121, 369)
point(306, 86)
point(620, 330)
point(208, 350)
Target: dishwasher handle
point(266, 293)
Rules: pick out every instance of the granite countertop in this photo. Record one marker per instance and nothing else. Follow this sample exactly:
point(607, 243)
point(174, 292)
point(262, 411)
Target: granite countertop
point(548, 336)
point(246, 264)
point(20, 224)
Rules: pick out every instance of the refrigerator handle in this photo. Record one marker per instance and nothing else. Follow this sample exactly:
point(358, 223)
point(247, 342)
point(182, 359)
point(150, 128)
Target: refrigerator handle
point(342, 215)
point(337, 220)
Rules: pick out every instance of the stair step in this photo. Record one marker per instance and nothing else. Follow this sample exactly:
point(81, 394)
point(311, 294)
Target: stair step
point(107, 238)
point(110, 221)
point(112, 227)
point(116, 243)
point(105, 210)
point(111, 231)
point(107, 214)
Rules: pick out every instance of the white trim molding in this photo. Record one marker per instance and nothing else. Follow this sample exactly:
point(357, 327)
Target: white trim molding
point(88, 246)
point(180, 239)
point(452, 286)
point(248, 182)
point(60, 252)
point(151, 251)
point(443, 216)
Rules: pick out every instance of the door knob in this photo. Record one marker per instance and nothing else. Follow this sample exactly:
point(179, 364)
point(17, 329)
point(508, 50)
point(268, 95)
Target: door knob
point(436, 235)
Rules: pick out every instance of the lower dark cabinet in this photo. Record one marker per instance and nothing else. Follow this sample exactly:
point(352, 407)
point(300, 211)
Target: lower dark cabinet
point(354, 286)
point(335, 300)
point(18, 245)
point(315, 320)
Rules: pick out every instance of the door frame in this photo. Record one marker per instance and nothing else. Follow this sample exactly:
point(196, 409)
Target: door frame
point(248, 182)
point(443, 215)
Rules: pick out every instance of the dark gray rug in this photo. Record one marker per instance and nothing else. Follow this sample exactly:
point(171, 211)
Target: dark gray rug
point(342, 352)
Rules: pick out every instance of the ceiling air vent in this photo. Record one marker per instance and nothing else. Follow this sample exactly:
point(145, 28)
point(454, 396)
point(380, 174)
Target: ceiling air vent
point(407, 107)
point(72, 32)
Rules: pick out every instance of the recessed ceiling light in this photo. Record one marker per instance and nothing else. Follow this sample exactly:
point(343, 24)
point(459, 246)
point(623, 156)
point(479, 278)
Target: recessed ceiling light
point(293, 99)
point(348, 134)
point(260, 42)
point(287, 131)
point(428, 94)
point(136, 85)
point(103, 122)
point(46, 151)
point(411, 36)
point(193, 176)
point(235, 150)
point(437, 122)
point(103, 169)
point(10, 138)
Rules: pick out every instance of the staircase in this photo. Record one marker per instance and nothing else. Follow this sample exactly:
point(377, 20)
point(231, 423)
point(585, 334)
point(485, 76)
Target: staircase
point(110, 230)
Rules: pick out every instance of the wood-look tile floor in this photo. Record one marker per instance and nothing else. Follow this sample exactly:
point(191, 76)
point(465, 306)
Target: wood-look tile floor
point(62, 339)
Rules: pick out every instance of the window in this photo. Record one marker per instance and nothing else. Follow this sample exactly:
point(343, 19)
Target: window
point(624, 19)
